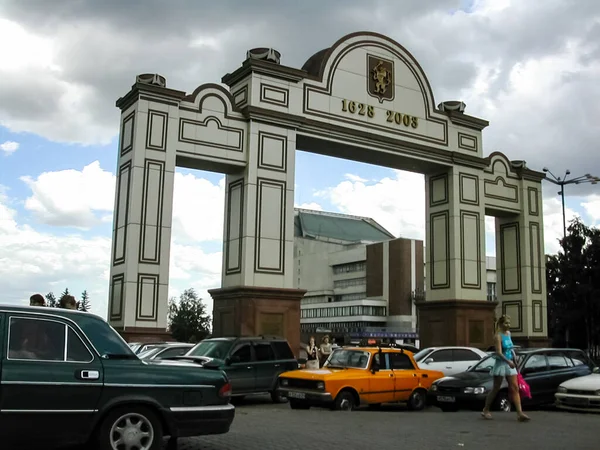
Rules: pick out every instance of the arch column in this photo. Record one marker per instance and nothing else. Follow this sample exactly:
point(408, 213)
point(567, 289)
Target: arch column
point(139, 270)
point(257, 295)
point(455, 310)
point(521, 268)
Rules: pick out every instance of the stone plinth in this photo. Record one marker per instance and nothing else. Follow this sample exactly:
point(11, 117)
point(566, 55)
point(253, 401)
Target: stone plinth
point(456, 322)
point(254, 311)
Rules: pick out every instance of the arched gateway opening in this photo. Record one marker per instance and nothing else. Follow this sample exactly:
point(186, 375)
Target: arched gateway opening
point(365, 99)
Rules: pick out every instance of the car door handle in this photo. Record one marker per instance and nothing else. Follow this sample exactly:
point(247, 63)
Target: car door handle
point(391, 375)
point(277, 365)
point(249, 367)
point(89, 375)
point(448, 367)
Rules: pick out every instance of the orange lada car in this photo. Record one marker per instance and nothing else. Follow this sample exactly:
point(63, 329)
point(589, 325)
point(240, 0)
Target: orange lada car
point(356, 376)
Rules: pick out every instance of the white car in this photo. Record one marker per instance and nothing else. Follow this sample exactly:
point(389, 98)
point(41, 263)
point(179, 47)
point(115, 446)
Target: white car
point(580, 394)
point(449, 360)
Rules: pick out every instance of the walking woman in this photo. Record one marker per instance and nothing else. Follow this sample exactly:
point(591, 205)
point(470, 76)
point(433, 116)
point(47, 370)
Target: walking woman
point(312, 351)
point(504, 367)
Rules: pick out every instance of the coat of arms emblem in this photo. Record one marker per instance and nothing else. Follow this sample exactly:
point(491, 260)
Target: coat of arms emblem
point(380, 78)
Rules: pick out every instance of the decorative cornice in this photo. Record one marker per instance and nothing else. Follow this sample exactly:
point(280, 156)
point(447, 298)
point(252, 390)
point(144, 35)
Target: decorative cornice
point(266, 68)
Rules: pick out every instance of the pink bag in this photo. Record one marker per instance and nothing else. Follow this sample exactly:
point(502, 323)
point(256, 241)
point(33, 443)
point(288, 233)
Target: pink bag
point(524, 389)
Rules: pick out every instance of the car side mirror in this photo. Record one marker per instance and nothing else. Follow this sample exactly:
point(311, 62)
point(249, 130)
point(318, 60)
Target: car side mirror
point(428, 360)
point(301, 360)
point(374, 368)
point(596, 370)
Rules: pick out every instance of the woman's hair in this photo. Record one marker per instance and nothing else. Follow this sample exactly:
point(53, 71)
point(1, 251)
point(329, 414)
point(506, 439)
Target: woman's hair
point(501, 321)
point(312, 338)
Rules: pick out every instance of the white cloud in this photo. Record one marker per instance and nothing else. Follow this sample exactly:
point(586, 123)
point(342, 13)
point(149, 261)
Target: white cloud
point(71, 197)
point(396, 202)
point(312, 205)
point(9, 147)
point(355, 178)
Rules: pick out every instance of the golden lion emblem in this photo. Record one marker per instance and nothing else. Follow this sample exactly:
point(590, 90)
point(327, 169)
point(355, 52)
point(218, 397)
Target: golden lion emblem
point(382, 77)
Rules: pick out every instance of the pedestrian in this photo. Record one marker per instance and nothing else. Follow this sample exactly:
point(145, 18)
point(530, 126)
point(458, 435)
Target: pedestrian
point(37, 300)
point(68, 302)
point(505, 366)
point(312, 352)
point(324, 350)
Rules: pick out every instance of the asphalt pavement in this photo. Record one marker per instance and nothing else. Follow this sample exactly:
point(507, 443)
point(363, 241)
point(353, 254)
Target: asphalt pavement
point(261, 425)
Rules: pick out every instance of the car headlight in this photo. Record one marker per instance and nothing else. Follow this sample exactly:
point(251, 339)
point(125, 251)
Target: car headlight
point(434, 387)
point(284, 382)
point(598, 392)
point(321, 385)
point(474, 390)
point(562, 390)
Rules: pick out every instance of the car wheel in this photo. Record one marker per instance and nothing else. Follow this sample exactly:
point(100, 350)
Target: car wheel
point(345, 401)
point(298, 404)
point(417, 400)
point(130, 427)
point(502, 402)
point(277, 397)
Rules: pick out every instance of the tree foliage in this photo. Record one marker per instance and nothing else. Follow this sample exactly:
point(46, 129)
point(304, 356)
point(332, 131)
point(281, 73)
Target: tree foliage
point(84, 303)
point(573, 281)
point(188, 319)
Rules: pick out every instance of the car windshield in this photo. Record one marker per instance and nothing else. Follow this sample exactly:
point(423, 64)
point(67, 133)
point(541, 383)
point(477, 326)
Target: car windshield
point(348, 358)
point(422, 354)
point(211, 348)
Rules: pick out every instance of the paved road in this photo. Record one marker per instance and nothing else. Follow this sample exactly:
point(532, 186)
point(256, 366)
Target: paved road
point(260, 425)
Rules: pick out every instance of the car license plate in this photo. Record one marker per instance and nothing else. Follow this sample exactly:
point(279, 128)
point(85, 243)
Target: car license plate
point(445, 399)
point(300, 395)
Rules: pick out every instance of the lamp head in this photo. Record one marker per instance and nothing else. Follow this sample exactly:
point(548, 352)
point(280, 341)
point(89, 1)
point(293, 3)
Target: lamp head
point(545, 169)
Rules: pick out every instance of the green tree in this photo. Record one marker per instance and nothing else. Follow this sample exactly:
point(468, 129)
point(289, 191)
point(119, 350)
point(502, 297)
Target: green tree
point(51, 299)
point(188, 319)
point(84, 304)
point(573, 285)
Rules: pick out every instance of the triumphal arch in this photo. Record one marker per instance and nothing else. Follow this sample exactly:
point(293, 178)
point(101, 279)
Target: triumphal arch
point(366, 99)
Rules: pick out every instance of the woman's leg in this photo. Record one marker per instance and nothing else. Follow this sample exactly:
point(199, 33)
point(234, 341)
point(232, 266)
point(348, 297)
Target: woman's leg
point(492, 395)
point(515, 397)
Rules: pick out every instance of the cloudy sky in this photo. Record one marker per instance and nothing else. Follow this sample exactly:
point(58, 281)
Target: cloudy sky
point(530, 67)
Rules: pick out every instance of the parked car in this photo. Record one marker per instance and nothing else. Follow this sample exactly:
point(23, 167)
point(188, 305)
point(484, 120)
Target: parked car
point(140, 347)
point(355, 376)
point(544, 369)
point(580, 394)
point(252, 364)
point(68, 378)
point(449, 360)
point(166, 350)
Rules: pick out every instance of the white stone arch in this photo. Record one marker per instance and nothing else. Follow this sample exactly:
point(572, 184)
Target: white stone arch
point(365, 98)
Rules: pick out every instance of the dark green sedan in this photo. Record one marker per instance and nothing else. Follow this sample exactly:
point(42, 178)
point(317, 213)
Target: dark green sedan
point(68, 378)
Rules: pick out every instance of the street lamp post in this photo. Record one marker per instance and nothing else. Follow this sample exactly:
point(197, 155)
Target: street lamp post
point(562, 182)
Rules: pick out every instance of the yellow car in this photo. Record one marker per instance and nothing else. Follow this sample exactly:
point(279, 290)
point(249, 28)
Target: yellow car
point(357, 376)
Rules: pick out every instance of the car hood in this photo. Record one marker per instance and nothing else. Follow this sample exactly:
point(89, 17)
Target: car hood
point(464, 379)
point(585, 383)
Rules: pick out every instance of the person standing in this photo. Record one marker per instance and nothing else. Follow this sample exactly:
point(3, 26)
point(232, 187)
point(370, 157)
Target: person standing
point(68, 302)
point(325, 350)
point(37, 300)
point(312, 352)
point(504, 367)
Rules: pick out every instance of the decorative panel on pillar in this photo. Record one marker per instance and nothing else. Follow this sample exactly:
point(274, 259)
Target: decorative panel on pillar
point(143, 213)
point(259, 213)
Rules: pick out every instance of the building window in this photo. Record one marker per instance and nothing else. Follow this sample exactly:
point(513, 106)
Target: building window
point(349, 283)
point(350, 297)
point(345, 311)
point(350, 267)
point(491, 292)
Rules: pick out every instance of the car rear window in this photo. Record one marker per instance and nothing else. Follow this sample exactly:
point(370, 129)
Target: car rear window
point(282, 350)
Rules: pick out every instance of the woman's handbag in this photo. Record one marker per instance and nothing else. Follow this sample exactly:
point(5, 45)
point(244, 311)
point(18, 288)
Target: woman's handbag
point(524, 390)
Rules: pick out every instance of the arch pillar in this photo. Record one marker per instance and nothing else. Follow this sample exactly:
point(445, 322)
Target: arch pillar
point(455, 310)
